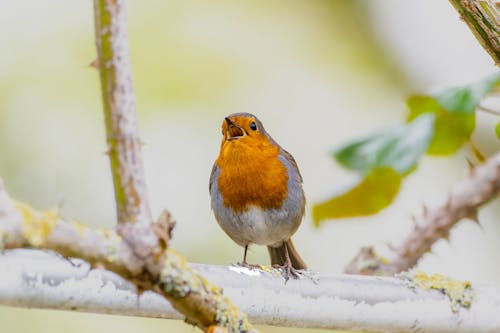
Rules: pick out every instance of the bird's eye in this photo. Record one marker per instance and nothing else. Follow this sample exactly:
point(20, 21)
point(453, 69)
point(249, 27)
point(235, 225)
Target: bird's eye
point(253, 126)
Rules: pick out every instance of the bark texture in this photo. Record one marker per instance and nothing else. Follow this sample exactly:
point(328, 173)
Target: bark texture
point(482, 17)
point(201, 302)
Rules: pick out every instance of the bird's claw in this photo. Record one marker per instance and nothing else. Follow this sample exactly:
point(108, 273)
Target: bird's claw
point(249, 266)
point(288, 271)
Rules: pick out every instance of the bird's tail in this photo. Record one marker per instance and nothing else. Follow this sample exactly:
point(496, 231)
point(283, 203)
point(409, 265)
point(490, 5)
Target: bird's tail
point(278, 257)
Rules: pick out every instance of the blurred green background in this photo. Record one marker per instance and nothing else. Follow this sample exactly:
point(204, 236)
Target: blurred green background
point(317, 73)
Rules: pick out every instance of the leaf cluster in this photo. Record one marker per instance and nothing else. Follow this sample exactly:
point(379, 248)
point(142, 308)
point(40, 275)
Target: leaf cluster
point(438, 125)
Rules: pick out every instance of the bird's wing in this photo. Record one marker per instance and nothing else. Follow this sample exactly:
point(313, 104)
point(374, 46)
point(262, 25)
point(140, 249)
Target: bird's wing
point(290, 159)
point(214, 170)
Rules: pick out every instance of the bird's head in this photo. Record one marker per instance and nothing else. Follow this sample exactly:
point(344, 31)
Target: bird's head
point(243, 127)
point(244, 138)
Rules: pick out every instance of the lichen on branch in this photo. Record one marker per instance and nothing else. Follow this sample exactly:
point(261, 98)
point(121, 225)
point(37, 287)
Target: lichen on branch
point(200, 301)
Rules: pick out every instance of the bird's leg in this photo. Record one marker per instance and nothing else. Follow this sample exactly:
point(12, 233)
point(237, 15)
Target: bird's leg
point(245, 263)
point(287, 267)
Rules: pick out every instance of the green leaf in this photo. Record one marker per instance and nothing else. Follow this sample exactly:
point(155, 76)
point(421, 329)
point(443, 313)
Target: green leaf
point(438, 124)
point(454, 109)
point(399, 148)
point(375, 192)
point(451, 131)
point(383, 159)
point(420, 104)
point(465, 99)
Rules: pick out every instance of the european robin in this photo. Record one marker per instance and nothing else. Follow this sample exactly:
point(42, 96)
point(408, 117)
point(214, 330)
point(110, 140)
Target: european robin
point(256, 191)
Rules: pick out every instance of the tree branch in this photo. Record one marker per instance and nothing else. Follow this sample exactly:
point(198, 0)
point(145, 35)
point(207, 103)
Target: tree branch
point(483, 19)
point(201, 302)
point(123, 140)
point(159, 268)
point(124, 145)
point(464, 200)
point(369, 304)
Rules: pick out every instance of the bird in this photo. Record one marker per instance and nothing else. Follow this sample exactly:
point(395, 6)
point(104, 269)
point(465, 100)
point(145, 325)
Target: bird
point(256, 192)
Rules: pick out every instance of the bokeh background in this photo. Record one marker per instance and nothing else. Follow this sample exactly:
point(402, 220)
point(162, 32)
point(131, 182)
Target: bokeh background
point(317, 73)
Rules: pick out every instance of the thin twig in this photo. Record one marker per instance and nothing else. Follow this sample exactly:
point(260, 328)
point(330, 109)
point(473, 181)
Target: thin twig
point(488, 110)
point(124, 145)
point(464, 200)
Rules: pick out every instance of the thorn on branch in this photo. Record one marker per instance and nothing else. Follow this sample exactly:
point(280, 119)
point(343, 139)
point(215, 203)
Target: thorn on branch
point(163, 228)
point(108, 149)
point(414, 221)
point(425, 211)
point(447, 206)
point(94, 64)
point(445, 237)
point(473, 216)
point(470, 166)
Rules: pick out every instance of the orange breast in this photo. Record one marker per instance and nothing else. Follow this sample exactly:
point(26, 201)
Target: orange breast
point(251, 174)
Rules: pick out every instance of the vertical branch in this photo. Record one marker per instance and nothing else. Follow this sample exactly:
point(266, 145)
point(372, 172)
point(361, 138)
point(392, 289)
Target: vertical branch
point(483, 19)
point(119, 110)
point(124, 145)
point(202, 303)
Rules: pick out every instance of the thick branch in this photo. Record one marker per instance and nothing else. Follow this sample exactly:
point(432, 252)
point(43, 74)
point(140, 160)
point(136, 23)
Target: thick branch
point(368, 304)
point(483, 19)
point(200, 301)
point(481, 186)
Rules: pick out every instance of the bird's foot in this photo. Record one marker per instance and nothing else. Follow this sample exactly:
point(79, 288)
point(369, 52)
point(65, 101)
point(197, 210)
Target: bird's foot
point(249, 266)
point(288, 271)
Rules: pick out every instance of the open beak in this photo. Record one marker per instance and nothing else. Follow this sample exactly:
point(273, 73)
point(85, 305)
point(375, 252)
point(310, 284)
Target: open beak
point(233, 131)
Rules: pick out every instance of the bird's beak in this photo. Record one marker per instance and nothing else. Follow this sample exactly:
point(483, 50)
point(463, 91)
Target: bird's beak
point(233, 131)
